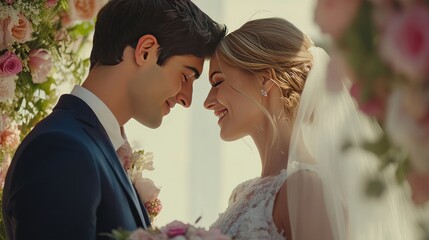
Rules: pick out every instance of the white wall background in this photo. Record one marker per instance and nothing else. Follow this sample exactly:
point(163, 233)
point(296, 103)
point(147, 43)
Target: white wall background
point(195, 169)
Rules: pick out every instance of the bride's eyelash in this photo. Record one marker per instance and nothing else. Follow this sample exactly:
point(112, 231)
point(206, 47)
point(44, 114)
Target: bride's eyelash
point(215, 84)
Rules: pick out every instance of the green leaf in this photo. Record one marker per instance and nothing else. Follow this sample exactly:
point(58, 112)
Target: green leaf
point(402, 170)
point(119, 234)
point(375, 187)
point(360, 44)
point(379, 147)
point(81, 30)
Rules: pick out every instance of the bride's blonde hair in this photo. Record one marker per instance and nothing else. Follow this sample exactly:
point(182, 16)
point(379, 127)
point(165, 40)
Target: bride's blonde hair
point(274, 45)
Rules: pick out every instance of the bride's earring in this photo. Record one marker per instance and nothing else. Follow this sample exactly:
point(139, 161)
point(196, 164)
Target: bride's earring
point(263, 91)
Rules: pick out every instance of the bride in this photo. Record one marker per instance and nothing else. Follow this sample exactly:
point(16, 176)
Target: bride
point(269, 82)
point(258, 75)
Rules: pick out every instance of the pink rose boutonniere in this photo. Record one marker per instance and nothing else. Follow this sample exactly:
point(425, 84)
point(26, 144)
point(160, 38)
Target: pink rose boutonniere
point(134, 164)
point(146, 188)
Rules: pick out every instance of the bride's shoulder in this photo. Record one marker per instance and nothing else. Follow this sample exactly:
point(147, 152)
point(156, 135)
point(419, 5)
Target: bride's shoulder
point(305, 177)
point(239, 189)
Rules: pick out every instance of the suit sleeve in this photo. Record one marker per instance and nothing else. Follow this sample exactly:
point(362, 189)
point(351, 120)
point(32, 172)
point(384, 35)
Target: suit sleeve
point(56, 190)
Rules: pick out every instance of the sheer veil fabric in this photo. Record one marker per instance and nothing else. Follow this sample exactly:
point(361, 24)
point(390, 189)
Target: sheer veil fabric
point(326, 199)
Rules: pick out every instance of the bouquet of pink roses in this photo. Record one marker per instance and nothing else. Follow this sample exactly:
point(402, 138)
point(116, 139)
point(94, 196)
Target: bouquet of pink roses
point(175, 230)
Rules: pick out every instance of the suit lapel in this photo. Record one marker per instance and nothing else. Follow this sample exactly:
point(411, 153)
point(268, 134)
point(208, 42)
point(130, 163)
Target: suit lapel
point(95, 130)
point(112, 158)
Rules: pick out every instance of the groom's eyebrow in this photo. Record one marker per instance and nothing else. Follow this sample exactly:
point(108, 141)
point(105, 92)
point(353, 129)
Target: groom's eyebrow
point(196, 72)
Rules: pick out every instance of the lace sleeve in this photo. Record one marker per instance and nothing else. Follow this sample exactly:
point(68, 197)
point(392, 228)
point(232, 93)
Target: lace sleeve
point(238, 191)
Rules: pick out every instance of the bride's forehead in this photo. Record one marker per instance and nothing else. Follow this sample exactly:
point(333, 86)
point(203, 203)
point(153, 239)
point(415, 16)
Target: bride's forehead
point(214, 65)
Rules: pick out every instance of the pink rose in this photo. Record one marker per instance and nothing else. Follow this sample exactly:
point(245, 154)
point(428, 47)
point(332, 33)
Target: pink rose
point(146, 188)
point(334, 16)
point(17, 29)
point(7, 88)
point(405, 43)
point(84, 9)
point(51, 3)
point(9, 134)
point(40, 64)
point(66, 20)
point(10, 64)
point(140, 234)
point(9, 2)
point(419, 183)
point(373, 107)
point(174, 229)
point(124, 153)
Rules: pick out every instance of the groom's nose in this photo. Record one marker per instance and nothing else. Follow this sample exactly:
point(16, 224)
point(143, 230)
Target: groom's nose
point(184, 96)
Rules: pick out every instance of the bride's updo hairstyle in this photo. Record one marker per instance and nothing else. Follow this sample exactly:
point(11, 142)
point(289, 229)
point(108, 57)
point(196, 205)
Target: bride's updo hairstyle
point(274, 45)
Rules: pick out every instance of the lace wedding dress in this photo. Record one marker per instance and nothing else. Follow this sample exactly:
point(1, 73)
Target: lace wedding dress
point(250, 211)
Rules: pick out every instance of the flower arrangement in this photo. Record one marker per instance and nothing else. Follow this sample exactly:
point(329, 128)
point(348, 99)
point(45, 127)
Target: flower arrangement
point(383, 47)
point(175, 230)
point(134, 163)
point(40, 44)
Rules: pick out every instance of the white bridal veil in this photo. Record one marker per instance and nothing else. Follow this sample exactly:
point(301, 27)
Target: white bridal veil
point(324, 122)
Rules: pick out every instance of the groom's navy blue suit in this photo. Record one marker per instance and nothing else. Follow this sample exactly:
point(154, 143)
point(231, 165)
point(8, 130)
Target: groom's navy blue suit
point(66, 182)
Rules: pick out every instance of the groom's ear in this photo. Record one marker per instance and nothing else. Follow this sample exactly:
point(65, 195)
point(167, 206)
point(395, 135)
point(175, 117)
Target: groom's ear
point(146, 49)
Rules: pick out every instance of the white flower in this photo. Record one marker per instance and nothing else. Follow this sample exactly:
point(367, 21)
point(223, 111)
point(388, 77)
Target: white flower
point(7, 88)
point(140, 160)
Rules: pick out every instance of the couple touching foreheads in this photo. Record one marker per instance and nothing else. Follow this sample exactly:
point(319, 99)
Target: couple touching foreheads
point(66, 181)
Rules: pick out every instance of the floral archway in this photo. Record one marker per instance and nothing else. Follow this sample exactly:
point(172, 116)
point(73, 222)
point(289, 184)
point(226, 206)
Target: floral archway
point(40, 49)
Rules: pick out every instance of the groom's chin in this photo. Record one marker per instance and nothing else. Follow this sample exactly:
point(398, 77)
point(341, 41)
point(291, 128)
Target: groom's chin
point(151, 123)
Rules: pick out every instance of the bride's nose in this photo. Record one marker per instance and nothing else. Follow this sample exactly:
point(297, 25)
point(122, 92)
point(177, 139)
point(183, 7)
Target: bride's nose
point(211, 99)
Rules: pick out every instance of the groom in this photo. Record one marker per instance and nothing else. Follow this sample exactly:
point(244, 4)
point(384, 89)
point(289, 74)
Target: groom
point(65, 180)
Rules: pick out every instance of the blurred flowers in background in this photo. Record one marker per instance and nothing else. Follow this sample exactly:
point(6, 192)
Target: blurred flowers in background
point(382, 46)
point(40, 48)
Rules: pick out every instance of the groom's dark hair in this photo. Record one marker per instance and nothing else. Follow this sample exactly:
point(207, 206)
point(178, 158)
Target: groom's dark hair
point(180, 27)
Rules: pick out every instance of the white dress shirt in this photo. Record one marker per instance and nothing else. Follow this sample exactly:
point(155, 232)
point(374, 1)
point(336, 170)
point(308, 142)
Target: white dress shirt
point(103, 113)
